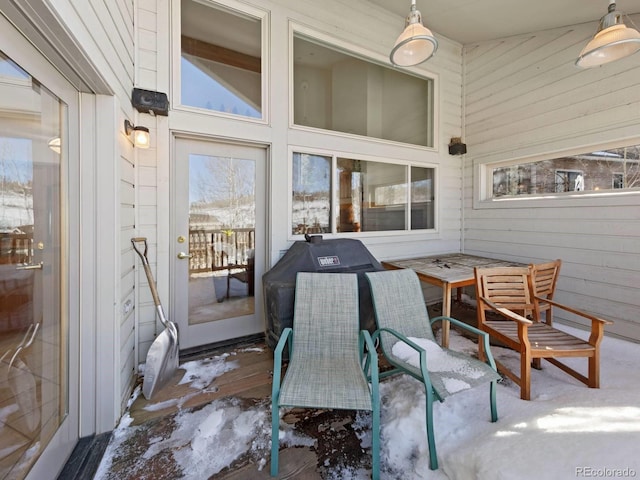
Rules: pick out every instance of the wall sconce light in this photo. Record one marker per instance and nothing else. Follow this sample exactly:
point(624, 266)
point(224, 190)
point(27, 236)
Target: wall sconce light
point(140, 134)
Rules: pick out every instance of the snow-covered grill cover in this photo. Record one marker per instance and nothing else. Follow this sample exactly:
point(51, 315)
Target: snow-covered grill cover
point(342, 255)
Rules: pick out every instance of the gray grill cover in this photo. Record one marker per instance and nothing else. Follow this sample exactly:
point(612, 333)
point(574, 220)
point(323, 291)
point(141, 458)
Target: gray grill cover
point(341, 255)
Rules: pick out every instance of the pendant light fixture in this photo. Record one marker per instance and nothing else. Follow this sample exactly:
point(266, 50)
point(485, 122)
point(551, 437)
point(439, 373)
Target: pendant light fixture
point(415, 44)
point(614, 40)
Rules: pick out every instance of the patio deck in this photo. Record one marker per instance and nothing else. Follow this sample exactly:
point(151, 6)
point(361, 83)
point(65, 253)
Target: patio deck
point(248, 384)
point(150, 451)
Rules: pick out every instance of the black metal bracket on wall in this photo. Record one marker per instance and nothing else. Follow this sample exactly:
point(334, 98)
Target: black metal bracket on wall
point(147, 101)
point(456, 147)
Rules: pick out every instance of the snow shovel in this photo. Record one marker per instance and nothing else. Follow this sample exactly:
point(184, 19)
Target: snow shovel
point(162, 357)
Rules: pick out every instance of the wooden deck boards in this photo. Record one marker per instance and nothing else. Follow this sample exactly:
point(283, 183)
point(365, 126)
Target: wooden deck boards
point(250, 382)
point(251, 379)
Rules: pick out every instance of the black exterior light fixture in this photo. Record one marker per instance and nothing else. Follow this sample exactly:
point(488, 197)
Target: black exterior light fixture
point(456, 147)
point(140, 134)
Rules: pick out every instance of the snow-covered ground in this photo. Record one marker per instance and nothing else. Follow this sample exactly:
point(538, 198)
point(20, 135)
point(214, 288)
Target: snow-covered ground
point(566, 431)
point(16, 209)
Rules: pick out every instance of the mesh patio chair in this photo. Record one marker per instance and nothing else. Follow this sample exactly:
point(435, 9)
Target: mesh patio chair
point(327, 356)
point(408, 344)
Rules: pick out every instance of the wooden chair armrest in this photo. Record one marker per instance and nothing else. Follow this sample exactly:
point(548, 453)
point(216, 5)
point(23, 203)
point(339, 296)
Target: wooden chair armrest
point(507, 313)
point(575, 311)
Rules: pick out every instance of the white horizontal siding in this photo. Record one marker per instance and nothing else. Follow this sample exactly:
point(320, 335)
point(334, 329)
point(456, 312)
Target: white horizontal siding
point(105, 29)
point(525, 97)
point(364, 27)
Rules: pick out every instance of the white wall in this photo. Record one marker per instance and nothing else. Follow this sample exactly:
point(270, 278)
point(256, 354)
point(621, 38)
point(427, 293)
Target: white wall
point(342, 20)
point(107, 47)
point(92, 43)
point(148, 204)
point(524, 98)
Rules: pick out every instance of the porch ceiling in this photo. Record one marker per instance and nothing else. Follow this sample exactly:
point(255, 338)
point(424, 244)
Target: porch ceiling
point(471, 21)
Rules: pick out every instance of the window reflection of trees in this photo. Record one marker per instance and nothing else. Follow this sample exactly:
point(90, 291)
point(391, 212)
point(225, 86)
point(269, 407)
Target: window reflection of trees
point(311, 194)
point(223, 191)
point(16, 192)
point(617, 168)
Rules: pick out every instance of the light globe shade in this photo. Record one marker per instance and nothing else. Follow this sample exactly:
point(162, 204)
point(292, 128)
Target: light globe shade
point(55, 144)
point(141, 137)
point(610, 44)
point(414, 45)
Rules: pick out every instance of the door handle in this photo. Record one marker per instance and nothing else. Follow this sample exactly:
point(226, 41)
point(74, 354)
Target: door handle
point(37, 266)
point(183, 255)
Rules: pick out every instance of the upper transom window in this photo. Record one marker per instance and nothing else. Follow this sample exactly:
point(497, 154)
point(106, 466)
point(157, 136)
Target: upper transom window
point(220, 61)
point(338, 91)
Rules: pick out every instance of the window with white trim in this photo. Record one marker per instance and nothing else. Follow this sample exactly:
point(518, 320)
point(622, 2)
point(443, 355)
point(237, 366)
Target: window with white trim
point(614, 168)
point(366, 196)
point(220, 59)
point(337, 90)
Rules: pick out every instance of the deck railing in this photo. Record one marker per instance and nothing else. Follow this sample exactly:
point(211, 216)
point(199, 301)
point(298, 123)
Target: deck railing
point(217, 249)
point(16, 248)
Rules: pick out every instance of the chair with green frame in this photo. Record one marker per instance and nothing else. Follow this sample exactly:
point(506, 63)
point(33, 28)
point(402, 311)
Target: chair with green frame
point(332, 364)
point(408, 344)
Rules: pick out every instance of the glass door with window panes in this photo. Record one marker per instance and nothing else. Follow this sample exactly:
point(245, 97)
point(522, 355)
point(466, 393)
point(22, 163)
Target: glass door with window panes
point(33, 342)
point(218, 241)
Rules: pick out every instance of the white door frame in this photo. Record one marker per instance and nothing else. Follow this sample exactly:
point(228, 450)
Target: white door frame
point(22, 52)
point(239, 326)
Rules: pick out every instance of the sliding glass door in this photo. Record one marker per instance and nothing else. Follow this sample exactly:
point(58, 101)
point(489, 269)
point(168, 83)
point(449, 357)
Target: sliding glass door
point(36, 401)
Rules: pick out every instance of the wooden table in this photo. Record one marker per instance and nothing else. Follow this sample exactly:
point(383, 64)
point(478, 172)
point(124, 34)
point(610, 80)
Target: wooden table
point(449, 270)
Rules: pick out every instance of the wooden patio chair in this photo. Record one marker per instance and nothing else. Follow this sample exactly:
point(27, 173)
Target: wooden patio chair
point(544, 282)
point(328, 356)
point(509, 292)
point(408, 344)
point(545, 278)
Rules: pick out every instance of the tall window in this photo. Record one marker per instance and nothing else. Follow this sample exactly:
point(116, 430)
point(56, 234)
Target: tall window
point(369, 196)
point(220, 63)
point(311, 194)
point(373, 196)
point(617, 168)
point(422, 196)
point(335, 90)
